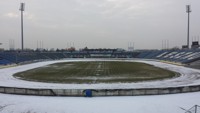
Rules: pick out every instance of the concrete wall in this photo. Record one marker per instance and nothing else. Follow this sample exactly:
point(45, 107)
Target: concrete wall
point(99, 92)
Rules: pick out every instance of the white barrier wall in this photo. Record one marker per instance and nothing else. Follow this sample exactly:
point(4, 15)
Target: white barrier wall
point(99, 92)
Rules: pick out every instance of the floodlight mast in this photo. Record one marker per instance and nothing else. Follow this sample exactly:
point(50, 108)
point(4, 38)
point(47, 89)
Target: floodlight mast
point(22, 7)
point(188, 10)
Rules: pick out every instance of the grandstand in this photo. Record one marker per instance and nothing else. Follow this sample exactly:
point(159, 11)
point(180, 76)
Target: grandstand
point(184, 56)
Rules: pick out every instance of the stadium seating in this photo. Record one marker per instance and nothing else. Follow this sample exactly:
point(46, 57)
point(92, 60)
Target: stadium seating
point(4, 62)
point(181, 56)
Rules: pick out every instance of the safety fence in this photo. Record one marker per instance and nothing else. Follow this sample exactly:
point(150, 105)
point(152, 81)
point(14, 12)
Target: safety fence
point(98, 92)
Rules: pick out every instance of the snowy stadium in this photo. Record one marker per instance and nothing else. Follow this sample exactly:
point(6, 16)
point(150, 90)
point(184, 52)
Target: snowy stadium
point(174, 92)
point(72, 79)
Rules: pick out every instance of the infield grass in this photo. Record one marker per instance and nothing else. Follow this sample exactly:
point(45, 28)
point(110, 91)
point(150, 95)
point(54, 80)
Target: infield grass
point(95, 72)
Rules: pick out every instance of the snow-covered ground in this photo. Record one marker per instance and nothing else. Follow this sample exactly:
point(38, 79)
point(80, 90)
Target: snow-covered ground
point(127, 104)
point(188, 77)
point(133, 104)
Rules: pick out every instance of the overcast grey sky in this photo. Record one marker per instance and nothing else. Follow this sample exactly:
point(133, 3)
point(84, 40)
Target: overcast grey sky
point(98, 23)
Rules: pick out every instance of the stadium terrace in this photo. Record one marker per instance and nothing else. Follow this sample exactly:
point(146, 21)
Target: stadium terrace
point(183, 56)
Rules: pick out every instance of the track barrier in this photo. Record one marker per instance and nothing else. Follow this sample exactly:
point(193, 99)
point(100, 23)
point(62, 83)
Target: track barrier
point(98, 92)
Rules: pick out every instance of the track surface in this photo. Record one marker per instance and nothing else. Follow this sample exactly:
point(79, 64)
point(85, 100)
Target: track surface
point(188, 77)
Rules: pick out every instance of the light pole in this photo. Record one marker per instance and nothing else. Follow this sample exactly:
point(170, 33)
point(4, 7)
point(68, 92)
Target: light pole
point(22, 7)
point(188, 10)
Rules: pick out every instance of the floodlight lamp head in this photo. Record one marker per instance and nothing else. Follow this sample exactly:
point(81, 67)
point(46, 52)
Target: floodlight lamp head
point(22, 7)
point(188, 9)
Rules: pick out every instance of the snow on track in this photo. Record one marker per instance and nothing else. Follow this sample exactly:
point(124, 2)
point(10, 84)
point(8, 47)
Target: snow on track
point(188, 77)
